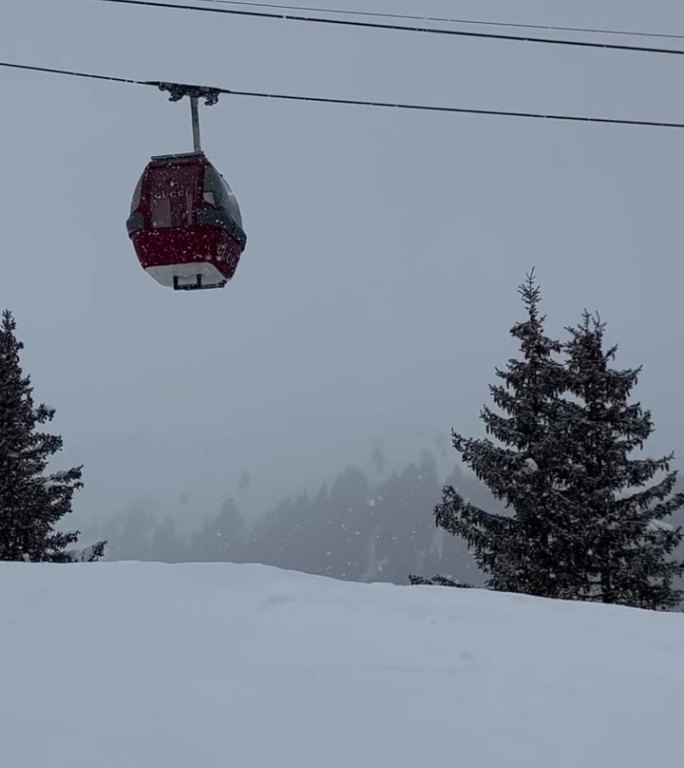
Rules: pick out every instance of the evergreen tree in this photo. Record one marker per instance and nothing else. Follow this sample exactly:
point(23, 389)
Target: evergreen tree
point(129, 532)
point(222, 538)
point(166, 544)
point(32, 501)
point(621, 542)
point(580, 519)
point(244, 481)
point(524, 551)
point(436, 581)
point(377, 459)
point(402, 540)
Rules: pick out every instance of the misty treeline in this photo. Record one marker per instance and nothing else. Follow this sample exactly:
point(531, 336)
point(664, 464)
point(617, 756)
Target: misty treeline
point(356, 527)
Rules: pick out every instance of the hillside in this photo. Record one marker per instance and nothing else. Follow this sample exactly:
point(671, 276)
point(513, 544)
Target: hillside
point(211, 665)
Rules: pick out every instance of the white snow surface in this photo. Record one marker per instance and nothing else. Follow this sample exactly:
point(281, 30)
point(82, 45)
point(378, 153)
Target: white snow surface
point(132, 665)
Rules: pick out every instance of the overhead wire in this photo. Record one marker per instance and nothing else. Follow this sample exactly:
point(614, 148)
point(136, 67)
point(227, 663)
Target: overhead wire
point(356, 102)
point(396, 27)
point(450, 20)
point(73, 73)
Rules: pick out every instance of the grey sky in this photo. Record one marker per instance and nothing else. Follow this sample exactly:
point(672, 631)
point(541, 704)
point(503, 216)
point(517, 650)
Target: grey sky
point(379, 281)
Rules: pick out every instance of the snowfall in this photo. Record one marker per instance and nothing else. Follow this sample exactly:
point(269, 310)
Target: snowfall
point(125, 665)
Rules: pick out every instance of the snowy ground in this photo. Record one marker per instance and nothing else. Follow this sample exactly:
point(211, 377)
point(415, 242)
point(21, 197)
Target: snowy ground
point(125, 665)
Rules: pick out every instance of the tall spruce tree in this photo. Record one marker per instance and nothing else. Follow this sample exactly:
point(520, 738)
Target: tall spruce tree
point(525, 551)
point(32, 501)
point(622, 546)
point(582, 519)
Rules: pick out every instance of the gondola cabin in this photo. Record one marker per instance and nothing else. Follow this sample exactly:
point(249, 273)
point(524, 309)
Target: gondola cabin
point(185, 223)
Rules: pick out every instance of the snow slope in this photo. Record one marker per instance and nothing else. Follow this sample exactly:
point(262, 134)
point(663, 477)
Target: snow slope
point(125, 665)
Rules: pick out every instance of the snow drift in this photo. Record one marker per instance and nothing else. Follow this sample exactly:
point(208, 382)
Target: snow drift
point(125, 665)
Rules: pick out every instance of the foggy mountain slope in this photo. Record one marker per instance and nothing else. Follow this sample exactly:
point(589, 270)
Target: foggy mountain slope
point(354, 527)
point(141, 664)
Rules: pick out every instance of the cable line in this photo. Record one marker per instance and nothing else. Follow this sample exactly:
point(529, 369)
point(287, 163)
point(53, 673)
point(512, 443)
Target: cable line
point(349, 102)
point(449, 20)
point(73, 73)
point(397, 27)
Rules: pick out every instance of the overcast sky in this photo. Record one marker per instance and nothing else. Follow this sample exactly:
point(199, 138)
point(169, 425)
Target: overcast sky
point(379, 282)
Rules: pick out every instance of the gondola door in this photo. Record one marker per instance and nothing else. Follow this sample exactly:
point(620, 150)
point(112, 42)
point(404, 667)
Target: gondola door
point(173, 195)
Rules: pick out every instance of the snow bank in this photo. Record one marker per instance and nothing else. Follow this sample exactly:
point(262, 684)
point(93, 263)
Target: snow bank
point(132, 665)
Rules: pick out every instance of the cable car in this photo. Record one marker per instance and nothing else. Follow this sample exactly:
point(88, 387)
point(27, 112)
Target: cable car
point(185, 223)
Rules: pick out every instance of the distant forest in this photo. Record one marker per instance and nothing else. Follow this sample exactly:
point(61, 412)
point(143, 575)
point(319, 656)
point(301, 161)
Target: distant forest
point(354, 528)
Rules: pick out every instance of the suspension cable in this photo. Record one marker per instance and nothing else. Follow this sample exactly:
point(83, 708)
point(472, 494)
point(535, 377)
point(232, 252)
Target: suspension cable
point(347, 102)
point(450, 20)
point(396, 27)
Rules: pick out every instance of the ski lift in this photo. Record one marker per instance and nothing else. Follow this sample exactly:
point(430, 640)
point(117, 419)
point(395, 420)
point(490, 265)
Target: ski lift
point(185, 222)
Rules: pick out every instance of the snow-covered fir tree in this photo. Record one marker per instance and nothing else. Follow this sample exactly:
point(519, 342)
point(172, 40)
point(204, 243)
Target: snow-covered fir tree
point(32, 500)
point(583, 520)
point(623, 545)
point(524, 551)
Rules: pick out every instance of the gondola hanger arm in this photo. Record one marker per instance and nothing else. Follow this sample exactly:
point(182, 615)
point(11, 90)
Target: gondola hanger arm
point(179, 90)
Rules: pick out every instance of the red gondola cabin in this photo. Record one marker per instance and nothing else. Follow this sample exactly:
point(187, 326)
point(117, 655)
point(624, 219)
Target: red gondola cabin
point(185, 223)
